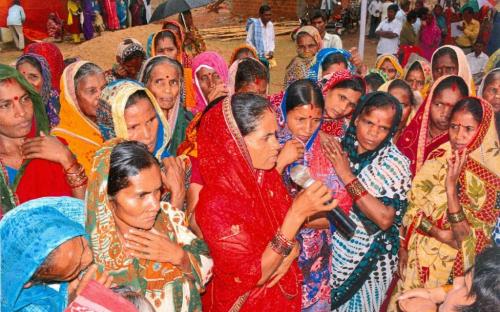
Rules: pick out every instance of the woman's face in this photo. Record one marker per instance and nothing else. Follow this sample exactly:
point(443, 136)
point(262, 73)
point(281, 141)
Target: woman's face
point(444, 65)
point(491, 93)
point(138, 204)
point(142, 123)
point(373, 127)
point(388, 69)
point(132, 66)
point(166, 46)
point(441, 107)
point(303, 121)
point(306, 46)
point(404, 98)
point(340, 103)
point(164, 83)
point(16, 110)
point(68, 260)
point(88, 90)
point(262, 144)
point(416, 79)
point(32, 74)
point(208, 78)
point(463, 128)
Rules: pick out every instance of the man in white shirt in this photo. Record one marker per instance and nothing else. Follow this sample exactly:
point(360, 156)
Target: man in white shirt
point(260, 33)
point(15, 20)
point(318, 20)
point(385, 6)
point(389, 31)
point(375, 11)
point(477, 62)
point(402, 12)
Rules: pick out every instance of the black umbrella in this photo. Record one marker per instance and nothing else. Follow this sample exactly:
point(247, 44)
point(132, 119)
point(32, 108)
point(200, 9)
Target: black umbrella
point(172, 7)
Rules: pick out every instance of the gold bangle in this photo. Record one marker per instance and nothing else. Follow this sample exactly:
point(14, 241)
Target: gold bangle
point(456, 217)
point(425, 226)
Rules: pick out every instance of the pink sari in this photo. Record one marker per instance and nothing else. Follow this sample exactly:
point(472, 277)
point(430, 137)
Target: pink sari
point(430, 37)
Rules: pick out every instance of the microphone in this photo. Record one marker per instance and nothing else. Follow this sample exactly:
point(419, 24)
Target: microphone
point(345, 226)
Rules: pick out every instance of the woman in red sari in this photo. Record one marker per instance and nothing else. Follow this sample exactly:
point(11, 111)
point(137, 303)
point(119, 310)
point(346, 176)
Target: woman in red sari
point(247, 218)
point(429, 127)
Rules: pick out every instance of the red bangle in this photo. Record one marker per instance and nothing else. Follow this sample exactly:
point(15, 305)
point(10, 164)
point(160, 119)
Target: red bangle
point(281, 245)
point(356, 189)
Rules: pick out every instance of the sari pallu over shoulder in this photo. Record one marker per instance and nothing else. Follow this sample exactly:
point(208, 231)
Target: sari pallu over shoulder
point(239, 211)
point(430, 262)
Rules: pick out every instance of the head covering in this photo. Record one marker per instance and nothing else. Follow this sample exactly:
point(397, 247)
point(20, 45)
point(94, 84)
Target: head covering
point(81, 133)
point(128, 46)
point(379, 72)
point(482, 85)
point(164, 284)
point(394, 61)
point(233, 69)
point(313, 32)
point(425, 66)
point(54, 59)
point(238, 49)
point(210, 60)
point(239, 211)
point(478, 185)
point(29, 234)
point(493, 61)
point(151, 48)
point(430, 36)
point(40, 123)
point(50, 97)
point(316, 70)
point(414, 141)
point(463, 65)
point(111, 114)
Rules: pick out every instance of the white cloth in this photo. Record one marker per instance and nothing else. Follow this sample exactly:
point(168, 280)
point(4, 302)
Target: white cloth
point(332, 41)
point(389, 45)
point(375, 8)
point(327, 5)
point(16, 16)
point(385, 6)
point(267, 36)
point(477, 64)
point(416, 25)
point(401, 16)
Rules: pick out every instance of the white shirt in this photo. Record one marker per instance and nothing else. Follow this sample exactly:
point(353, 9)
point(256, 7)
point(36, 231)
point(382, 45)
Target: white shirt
point(416, 25)
point(375, 8)
point(332, 41)
point(267, 36)
point(477, 64)
point(401, 16)
point(389, 45)
point(16, 16)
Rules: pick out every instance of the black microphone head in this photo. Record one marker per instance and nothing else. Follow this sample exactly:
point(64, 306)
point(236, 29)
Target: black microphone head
point(301, 176)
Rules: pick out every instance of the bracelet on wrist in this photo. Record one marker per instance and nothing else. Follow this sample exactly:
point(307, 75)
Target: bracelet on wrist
point(281, 245)
point(356, 189)
point(456, 217)
point(78, 178)
point(425, 226)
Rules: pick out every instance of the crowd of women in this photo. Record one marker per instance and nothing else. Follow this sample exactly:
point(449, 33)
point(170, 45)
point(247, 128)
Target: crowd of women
point(177, 177)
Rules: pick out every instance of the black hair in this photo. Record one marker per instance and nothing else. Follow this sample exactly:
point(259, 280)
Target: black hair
point(127, 160)
point(422, 11)
point(84, 71)
point(248, 109)
point(264, 8)
point(249, 69)
point(450, 82)
point(380, 100)
point(243, 50)
point(470, 105)
point(405, 4)
point(355, 84)
point(393, 7)
point(162, 59)
point(374, 81)
point(135, 54)
point(304, 92)
point(485, 282)
point(315, 14)
point(401, 84)
point(30, 60)
point(333, 58)
point(412, 15)
point(415, 66)
point(135, 97)
point(468, 10)
point(442, 52)
point(165, 35)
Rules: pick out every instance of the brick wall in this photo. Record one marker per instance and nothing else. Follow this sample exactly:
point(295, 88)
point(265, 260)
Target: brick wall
point(281, 8)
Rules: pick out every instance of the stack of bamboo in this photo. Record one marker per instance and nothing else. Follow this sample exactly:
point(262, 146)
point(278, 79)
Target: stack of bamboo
point(228, 33)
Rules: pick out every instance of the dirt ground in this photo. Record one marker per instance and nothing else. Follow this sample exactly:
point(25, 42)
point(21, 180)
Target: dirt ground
point(101, 49)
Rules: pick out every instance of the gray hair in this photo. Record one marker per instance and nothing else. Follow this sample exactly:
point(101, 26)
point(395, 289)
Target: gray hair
point(86, 70)
point(150, 64)
point(140, 302)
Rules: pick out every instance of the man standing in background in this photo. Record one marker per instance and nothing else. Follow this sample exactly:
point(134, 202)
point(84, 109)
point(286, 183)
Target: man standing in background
point(15, 21)
point(318, 20)
point(375, 11)
point(260, 33)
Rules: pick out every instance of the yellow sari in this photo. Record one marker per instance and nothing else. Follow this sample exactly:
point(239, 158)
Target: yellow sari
point(81, 133)
point(430, 262)
point(394, 61)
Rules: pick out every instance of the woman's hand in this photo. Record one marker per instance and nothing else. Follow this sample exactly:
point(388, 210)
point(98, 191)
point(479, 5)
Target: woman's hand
point(217, 92)
point(403, 261)
point(338, 158)
point(155, 246)
point(284, 266)
point(356, 59)
point(49, 148)
point(445, 236)
point(292, 151)
point(417, 305)
point(316, 198)
point(455, 164)
point(173, 179)
point(435, 295)
point(76, 286)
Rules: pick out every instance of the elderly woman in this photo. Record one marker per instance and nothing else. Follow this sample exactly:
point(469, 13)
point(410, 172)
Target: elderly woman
point(141, 241)
point(81, 85)
point(44, 249)
point(308, 42)
point(490, 89)
point(245, 213)
point(33, 164)
point(377, 177)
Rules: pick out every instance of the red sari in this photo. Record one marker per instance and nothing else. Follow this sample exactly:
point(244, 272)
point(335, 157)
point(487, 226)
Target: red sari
point(239, 211)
